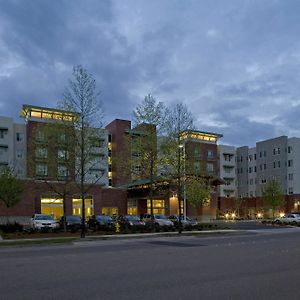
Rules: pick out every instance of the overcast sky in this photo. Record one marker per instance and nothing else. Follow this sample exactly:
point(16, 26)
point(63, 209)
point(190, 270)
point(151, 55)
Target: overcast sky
point(235, 63)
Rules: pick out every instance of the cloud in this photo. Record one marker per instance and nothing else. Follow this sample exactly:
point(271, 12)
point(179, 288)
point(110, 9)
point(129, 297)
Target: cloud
point(235, 65)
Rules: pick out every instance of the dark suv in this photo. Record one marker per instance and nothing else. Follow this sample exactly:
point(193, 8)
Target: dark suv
point(101, 222)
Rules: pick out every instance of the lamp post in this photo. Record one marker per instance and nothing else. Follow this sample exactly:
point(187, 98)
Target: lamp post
point(179, 166)
point(184, 191)
point(181, 156)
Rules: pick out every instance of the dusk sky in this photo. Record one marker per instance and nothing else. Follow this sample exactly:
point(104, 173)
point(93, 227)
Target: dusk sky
point(235, 63)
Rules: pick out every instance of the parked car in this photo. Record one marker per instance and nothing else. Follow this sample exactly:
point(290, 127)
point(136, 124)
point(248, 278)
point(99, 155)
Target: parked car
point(42, 222)
point(73, 223)
point(161, 222)
point(132, 223)
point(187, 223)
point(192, 223)
point(293, 219)
point(175, 220)
point(101, 222)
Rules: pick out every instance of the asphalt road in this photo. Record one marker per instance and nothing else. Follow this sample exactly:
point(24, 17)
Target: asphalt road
point(261, 264)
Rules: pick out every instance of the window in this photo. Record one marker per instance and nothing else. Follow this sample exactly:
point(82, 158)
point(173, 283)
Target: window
point(255, 169)
point(255, 156)
point(274, 164)
point(290, 149)
point(62, 154)
point(251, 181)
point(41, 152)
point(3, 132)
point(263, 180)
point(19, 137)
point(210, 154)
point(291, 191)
point(62, 138)
point(41, 170)
point(19, 153)
point(276, 151)
point(250, 169)
point(40, 136)
point(3, 149)
point(197, 166)
point(228, 157)
point(291, 176)
point(250, 157)
point(265, 166)
point(265, 153)
point(290, 163)
point(209, 167)
point(278, 164)
point(62, 171)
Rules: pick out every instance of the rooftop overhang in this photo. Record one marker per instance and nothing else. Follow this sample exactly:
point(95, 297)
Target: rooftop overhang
point(145, 184)
point(200, 136)
point(30, 112)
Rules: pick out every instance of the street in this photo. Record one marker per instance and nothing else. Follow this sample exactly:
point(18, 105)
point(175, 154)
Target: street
point(258, 264)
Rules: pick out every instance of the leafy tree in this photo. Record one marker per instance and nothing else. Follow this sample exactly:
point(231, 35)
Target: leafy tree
point(81, 97)
point(198, 191)
point(178, 120)
point(11, 188)
point(273, 195)
point(238, 201)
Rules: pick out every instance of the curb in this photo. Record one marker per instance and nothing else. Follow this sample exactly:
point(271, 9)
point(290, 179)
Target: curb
point(116, 236)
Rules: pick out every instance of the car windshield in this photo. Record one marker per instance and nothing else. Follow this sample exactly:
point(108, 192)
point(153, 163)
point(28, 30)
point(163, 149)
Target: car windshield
point(44, 217)
point(73, 218)
point(104, 218)
point(160, 217)
point(132, 218)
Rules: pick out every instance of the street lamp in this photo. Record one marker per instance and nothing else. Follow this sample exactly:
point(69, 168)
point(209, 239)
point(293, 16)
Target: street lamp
point(181, 147)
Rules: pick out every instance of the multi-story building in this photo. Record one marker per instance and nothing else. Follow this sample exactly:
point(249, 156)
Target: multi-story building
point(275, 158)
point(42, 162)
point(46, 159)
point(227, 171)
point(13, 146)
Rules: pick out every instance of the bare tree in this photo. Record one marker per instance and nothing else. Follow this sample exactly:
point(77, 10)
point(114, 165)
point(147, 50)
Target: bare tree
point(81, 97)
point(149, 119)
point(56, 149)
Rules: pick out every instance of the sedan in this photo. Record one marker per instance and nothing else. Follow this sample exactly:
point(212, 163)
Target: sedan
point(132, 223)
point(101, 222)
point(73, 223)
point(292, 219)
